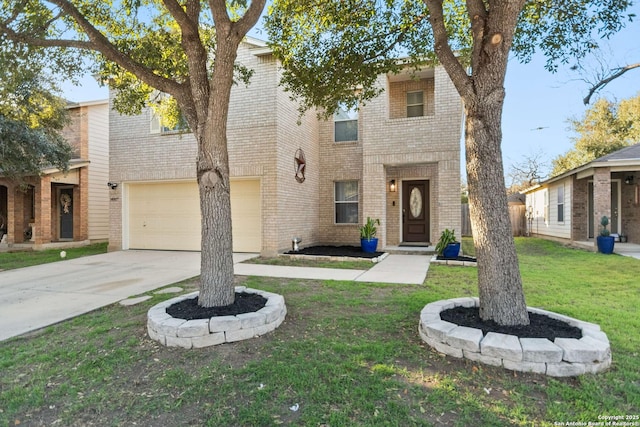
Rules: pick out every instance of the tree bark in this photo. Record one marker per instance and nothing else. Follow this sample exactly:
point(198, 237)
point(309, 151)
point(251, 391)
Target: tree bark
point(492, 26)
point(216, 274)
point(499, 281)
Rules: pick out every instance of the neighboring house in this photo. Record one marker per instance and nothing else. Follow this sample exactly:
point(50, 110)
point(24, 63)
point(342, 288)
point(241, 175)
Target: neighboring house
point(57, 207)
point(570, 206)
point(396, 159)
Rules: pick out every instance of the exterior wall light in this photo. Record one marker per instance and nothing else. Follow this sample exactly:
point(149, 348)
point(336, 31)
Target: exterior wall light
point(392, 186)
point(628, 180)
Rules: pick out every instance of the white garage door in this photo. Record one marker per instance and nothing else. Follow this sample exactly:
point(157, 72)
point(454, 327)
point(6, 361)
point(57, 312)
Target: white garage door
point(167, 216)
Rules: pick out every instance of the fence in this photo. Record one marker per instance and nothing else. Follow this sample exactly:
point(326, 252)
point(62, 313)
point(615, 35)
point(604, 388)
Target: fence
point(516, 215)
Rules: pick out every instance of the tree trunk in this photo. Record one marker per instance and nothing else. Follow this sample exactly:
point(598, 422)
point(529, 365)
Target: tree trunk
point(499, 282)
point(216, 274)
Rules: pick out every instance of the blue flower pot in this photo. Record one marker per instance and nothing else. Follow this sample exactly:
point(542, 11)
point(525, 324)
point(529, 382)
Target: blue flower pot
point(452, 250)
point(369, 245)
point(605, 244)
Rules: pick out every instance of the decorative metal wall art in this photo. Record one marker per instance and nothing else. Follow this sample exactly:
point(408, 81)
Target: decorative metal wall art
point(300, 165)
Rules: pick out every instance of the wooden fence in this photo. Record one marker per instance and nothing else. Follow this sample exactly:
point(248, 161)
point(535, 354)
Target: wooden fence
point(516, 215)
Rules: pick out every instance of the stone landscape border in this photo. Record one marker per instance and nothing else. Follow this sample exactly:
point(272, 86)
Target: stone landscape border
point(174, 332)
point(435, 260)
point(565, 357)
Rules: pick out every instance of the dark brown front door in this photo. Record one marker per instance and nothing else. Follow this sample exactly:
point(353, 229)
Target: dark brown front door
point(415, 211)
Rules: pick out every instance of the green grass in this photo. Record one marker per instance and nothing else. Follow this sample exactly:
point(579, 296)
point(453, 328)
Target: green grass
point(11, 260)
point(348, 354)
point(308, 262)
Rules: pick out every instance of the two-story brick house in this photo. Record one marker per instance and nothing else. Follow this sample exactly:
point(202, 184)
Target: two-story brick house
point(64, 208)
point(397, 159)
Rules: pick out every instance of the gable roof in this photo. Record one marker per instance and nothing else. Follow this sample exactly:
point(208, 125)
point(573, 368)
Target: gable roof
point(625, 159)
point(627, 153)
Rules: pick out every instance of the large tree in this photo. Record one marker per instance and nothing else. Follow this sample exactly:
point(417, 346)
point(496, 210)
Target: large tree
point(604, 128)
point(32, 113)
point(333, 50)
point(184, 48)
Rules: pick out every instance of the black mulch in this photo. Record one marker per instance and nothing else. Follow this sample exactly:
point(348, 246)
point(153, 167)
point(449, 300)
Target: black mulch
point(346, 251)
point(540, 327)
point(189, 309)
point(458, 258)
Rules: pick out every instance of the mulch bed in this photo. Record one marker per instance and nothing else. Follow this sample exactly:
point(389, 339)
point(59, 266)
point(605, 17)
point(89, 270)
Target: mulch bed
point(540, 327)
point(190, 310)
point(336, 251)
point(458, 258)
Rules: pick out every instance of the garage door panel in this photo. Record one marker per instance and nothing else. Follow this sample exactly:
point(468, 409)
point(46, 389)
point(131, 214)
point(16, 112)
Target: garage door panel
point(166, 216)
point(246, 216)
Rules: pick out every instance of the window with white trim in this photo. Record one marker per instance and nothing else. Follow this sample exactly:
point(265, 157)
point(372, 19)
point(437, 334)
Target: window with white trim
point(345, 122)
point(415, 104)
point(561, 203)
point(346, 202)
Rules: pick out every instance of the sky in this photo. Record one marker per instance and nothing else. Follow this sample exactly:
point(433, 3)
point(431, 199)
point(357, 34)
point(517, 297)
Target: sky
point(537, 106)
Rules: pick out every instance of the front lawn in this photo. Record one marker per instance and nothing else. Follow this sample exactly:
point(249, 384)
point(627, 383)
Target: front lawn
point(347, 354)
point(20, 259)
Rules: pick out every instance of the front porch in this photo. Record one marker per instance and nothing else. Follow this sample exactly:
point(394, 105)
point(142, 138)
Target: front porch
point(44, 212)
point(625, 249)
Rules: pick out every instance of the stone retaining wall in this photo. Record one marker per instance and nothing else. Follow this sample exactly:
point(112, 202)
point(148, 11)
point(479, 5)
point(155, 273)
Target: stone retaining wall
point(174, 332)
point(564, 357)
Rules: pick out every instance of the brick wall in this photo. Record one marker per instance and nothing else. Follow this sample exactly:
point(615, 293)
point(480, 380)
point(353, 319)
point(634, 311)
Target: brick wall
point(601, 197)
point(398, 96)
point(430, 143)
point(264, 132)
point(580, 209)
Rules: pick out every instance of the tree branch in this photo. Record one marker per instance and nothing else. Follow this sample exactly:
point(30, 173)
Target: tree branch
point(100, 43)
point(447, 58)
point(602, 83)
point(477, 16)
point(250, 17)
point(179, 14)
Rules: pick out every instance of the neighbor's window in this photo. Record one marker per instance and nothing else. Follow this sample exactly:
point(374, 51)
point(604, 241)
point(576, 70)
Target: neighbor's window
point(561, 203)
point(346, 202)
point(345, 122)
point(415, 104)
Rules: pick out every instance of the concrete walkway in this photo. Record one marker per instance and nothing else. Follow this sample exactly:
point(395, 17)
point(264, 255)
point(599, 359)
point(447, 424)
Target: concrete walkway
point(404, 269)
point(34, 297)
point(627, 249)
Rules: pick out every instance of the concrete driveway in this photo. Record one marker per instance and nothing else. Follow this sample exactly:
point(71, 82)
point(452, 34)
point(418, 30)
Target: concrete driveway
point(34, 297)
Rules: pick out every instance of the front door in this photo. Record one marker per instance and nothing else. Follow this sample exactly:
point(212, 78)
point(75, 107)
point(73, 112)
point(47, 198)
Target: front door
point(415, 211)
point(66, 213)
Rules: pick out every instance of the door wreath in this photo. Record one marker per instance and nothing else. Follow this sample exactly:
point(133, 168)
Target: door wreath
point(65, 201)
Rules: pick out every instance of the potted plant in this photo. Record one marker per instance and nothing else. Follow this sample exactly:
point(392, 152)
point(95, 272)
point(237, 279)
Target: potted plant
point(368, 241)
point(605, 241)
point(448, 246)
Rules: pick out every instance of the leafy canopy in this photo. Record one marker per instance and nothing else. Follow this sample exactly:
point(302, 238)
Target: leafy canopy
point(333, 51)
point(605, 127)
point(31, 112)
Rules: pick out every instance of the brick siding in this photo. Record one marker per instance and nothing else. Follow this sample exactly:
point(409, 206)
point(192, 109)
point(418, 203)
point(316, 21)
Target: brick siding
point(264, 132)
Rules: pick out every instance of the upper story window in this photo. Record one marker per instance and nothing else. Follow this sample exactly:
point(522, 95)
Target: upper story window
point(415, 104)
point(158, 127)
point(345, 122)
point(346, 202)
point(411, 98)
